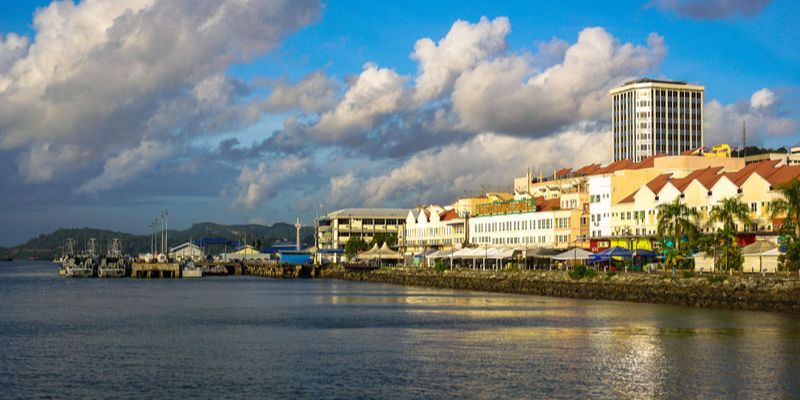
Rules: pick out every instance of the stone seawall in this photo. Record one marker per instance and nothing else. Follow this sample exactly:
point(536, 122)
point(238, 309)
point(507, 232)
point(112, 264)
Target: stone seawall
point(734, 292)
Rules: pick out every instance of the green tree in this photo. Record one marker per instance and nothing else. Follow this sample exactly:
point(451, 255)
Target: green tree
point(379, 238)
point(355, 245)
point(788, 208)
point(676, 221)
point(727, 213)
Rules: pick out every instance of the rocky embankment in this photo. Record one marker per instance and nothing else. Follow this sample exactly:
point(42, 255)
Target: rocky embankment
point(732, 292)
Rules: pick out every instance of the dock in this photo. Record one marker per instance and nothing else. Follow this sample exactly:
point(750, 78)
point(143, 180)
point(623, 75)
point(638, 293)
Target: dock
point(155, 270)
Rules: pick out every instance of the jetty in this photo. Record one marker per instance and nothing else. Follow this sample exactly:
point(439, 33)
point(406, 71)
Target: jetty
point(155, 270)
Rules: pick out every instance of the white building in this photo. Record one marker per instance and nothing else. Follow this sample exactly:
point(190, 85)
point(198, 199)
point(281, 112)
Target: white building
point(600, 206)
point(517, 224)
point(187, 251)
point(652, 117)
point(433, 227)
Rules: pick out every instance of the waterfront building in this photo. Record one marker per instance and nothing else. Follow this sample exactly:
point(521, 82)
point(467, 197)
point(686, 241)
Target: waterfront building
point(755, 184)
point(522, 223)
point(245, 253)
point(650, 117)
point(337, 227)
point(434, 228)
point(187, 251)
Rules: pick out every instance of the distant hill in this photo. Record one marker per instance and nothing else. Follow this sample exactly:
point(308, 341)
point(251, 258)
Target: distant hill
point(48, 246)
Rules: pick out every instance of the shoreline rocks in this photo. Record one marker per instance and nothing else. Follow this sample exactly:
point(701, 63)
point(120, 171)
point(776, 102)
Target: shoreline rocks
point(737, 292)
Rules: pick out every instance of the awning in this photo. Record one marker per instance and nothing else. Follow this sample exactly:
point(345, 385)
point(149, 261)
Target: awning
point(574, 254)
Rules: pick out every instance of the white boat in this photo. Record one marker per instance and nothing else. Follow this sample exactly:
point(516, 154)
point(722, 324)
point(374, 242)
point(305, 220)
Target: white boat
point(113, 264)
point(81, 266)
point(190, 270)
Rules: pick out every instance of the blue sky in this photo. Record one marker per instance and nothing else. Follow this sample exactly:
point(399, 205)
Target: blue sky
point(113, 112)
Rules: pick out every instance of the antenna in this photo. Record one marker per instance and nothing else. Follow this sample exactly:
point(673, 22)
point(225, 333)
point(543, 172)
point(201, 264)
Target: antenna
point(744, 139)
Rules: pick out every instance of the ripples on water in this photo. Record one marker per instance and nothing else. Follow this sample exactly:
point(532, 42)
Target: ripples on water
point(240, 337)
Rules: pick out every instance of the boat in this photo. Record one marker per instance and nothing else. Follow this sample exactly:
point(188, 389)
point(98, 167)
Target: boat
point(190, 270)
point(216, 270)
point(82, 265)
point(113, 264)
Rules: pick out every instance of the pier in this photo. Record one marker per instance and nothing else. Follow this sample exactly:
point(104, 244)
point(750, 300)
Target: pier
point(155, 270)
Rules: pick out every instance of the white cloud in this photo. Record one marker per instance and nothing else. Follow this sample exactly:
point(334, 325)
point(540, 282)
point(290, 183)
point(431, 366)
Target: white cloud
point(126, 165)
point(376, 92)
point(464, 46)
point(257, 185)
point(44, 161)
point(763, 98)
point(442, 175)
point(508, 95)
point(316, 92)
point(762, 114)
point(109, 74)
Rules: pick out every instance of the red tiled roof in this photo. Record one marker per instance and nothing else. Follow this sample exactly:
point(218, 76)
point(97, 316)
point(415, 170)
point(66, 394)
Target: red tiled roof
point(614, 166)
point(587, 169)
point(708, 177)
point(691, 151)
point(448, 215)
point(783, 175)
point(547, 205)
point(658, 182)
point(763, 168)
point(563, 172)
point(630, 198)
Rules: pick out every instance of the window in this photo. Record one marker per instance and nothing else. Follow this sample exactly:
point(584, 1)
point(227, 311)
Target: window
point(754, 207)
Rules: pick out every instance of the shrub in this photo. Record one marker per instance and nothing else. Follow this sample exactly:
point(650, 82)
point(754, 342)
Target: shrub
point(582, 271)
point(687, 274)
point(716, 278)
point(440, 266)
point(609, 274)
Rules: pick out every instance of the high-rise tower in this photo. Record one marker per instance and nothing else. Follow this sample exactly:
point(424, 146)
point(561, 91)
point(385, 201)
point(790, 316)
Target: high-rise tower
point(651, 117)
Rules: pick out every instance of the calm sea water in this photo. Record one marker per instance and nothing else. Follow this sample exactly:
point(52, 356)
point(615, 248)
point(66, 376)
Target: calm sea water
point(246, 337)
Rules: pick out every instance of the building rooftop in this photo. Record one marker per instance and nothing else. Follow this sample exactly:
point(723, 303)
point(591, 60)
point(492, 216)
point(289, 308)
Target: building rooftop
point(650, 80)
point(369, 212)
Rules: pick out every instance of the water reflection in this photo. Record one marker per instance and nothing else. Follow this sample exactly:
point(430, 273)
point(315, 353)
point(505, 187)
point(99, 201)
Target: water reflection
point(245, 337)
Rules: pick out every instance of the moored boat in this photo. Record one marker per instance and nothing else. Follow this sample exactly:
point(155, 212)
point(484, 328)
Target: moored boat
point(190, 270)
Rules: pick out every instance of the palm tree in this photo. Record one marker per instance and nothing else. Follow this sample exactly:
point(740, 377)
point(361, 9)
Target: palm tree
point(789, 208)
point(789, 205)
point(728, 212)
point(676, 220)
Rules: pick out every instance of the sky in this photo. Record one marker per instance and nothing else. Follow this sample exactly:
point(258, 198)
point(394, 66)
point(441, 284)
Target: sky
point(263, 111)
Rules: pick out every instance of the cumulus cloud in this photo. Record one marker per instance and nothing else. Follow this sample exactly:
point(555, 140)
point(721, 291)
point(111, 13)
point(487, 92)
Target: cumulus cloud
point(44, 161)
point(314, 93)
point(106, 74)
point(507, 95)
point(126, 165)
point(762, 113)
point(463, 47)
point(488, 159)
point(256, 185)
point(467, 84)
point(711, 9)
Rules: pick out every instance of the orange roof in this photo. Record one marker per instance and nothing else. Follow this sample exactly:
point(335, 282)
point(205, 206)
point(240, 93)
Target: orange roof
point(614, 166)
point(448, 215)
point(783, 175)
point(708, 177)
point(587, 169)
point(563, 172)
point(691, 152)
point(763, 168)
point(547, 205)
point(630, 197)
point(657, 183)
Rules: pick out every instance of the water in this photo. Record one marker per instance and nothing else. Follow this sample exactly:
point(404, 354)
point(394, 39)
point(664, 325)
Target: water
point(241, 337)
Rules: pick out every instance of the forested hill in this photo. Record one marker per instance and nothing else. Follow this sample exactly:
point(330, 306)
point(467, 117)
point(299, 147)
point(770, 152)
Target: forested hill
point(48, 246)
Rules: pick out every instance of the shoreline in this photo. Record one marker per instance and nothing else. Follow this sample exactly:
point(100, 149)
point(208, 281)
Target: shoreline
point(753, 293)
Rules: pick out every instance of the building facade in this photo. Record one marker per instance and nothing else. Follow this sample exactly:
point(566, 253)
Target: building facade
point(650, 117)
point(433, 228)
point(337, 227)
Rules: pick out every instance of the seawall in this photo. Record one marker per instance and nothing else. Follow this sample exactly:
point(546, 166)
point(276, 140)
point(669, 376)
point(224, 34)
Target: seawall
point(769, 293)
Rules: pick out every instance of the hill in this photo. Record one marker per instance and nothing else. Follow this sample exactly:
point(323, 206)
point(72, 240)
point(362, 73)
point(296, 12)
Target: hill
point(48, 246)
